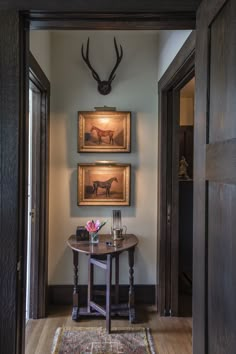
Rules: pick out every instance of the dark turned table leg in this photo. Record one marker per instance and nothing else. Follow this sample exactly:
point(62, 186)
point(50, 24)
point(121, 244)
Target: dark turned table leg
point(90, 283)
point(75, 311)
point(132, 317)
point(117, 279)
point(108, 293)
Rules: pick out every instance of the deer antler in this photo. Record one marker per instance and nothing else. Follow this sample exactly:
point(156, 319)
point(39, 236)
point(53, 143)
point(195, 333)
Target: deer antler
point(104, 87)
point(86, 59)
point(119, 57)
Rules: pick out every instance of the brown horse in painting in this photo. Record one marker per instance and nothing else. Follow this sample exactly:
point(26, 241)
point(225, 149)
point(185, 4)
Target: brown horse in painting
point(105, 185)
point(103, 133)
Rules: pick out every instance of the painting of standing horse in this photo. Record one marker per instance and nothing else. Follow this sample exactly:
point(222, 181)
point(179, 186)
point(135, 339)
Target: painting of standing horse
point(102, 134)
point(104, 131)
point(104, 185)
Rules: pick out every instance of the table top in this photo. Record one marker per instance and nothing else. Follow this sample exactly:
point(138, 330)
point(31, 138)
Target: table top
point(101, 248)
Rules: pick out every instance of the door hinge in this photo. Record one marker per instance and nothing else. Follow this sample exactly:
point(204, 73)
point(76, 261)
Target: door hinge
point(168, 213)
point(32, 214)
point(18, 266)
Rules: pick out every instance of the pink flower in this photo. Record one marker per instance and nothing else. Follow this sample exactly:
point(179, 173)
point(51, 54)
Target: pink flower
point(92, 226)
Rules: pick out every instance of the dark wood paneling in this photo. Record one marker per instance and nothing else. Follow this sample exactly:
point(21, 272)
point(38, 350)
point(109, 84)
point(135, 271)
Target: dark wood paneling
point(199, 209)
point(103, 5)
point(214, 317)
point(221, 162)
point(221, 271)
point(186, 227)
point(214, 6)
point(63, 294)
point(185, 247)
point(222, 108)
point(11, 186)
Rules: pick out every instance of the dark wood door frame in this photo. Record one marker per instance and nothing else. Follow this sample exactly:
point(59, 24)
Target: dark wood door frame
point(112, 21)
point(14, 72)
point(180, 71)
point(39, 246)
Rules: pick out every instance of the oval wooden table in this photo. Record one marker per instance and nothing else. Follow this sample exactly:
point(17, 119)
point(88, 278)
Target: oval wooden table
point(101, 255)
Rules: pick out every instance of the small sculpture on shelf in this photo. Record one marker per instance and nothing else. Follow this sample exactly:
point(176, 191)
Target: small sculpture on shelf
point(183, 166)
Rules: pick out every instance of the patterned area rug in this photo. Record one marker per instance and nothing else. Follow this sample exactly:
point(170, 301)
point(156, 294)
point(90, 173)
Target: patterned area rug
point(95, 340)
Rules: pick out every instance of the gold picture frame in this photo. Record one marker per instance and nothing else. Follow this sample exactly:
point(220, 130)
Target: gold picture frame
point(103, 183)
point(104, 131)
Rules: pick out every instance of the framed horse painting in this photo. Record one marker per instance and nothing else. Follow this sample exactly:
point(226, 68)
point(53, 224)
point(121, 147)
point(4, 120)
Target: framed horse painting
point(104, 131)
point(103, 183)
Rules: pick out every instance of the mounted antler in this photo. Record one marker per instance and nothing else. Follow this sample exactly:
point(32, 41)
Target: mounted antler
point(104, 87)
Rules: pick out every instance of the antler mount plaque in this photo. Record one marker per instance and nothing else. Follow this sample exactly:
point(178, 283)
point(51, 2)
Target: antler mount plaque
point(104, 86)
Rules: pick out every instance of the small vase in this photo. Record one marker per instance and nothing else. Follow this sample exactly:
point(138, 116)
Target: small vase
point(93, 237)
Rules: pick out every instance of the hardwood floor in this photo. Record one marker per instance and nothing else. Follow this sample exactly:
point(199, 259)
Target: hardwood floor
point(171, 335)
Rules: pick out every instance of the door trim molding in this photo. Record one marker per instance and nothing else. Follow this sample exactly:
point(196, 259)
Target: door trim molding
point(39, 249)
point(179, 72)
point(112, 21)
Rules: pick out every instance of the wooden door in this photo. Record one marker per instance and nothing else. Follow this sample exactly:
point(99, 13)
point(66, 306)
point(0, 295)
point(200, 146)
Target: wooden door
point(13, 185)
point(214, 310)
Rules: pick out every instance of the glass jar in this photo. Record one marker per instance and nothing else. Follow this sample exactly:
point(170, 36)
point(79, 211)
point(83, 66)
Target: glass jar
point(93, 237)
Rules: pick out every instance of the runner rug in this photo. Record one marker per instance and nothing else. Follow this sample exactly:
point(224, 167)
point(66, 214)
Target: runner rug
point(95, 340)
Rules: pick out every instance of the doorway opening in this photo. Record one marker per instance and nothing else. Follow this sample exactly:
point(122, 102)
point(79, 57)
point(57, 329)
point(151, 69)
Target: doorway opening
point(70, 94)
point(175, 181)
point(186, 134)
